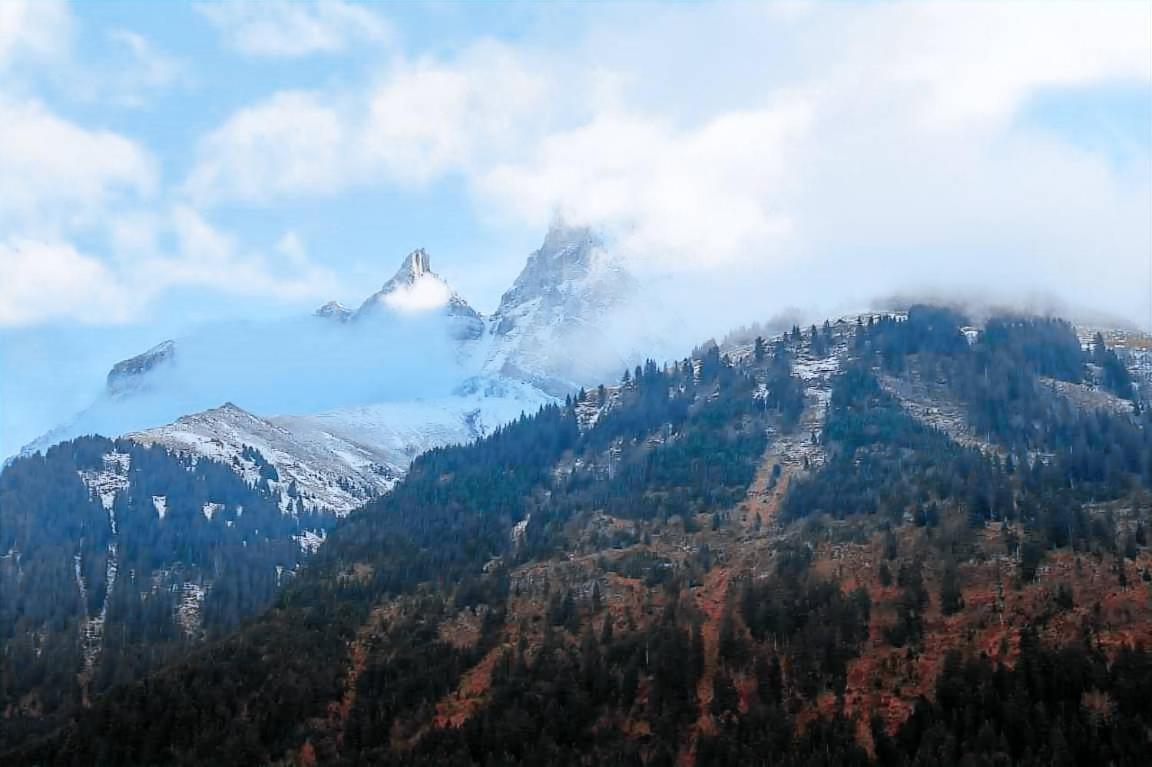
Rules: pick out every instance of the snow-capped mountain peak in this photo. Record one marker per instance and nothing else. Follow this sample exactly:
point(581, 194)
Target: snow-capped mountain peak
point(561, 264)
point(330, 403)
point(414, 288)
point(561, 302)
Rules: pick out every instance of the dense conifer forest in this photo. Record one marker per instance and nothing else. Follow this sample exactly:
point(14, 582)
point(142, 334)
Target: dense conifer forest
point(119, 558)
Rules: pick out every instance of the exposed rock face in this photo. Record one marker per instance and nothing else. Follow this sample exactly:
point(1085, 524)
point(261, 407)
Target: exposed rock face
point(129, 375)
point(334, 310)
point(551, 326)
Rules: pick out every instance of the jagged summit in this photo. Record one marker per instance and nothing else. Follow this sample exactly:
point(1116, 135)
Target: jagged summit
point(560, 302)
point(230, 408)
point(414, 269)
point(558, 268)
point(415, 288)
point(415, 265)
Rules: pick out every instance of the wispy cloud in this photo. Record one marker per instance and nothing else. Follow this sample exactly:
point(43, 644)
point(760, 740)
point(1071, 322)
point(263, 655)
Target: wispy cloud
point(48, 279)
point(290, 144)
point(141, 71)
point(67, 183)
point(290, 29)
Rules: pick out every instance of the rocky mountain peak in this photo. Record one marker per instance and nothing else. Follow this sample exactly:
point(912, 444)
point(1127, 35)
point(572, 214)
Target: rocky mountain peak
point(566, 256)
point(414, 287)
point(563, 234)
point(561, 301)
point(334, 310)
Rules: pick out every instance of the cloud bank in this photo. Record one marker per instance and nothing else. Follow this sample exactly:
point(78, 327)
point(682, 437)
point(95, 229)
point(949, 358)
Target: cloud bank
point(828, 155)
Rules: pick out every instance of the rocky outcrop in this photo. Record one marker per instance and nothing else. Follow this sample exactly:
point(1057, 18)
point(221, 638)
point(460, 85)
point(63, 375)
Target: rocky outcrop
point(334, 310)
point(130, 374)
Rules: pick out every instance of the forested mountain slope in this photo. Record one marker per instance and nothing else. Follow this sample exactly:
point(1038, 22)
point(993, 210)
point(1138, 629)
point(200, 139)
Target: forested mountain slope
point(902, 540)
point(118, 557)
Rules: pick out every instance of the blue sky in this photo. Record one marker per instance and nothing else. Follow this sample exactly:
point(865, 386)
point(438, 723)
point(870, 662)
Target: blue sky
point(169, 164)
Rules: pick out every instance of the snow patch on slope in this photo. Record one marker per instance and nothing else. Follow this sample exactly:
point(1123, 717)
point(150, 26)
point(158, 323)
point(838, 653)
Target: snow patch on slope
point(310, 540)
point(92, 627)
point(109, 481)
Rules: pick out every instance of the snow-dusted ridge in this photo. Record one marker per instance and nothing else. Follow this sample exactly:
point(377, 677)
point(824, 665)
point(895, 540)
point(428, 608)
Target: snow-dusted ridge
point(329, 474)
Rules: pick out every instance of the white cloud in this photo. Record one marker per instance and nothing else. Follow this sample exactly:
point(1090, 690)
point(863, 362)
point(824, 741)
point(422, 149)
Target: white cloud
point(60, 175)
point(53, 281)
point(55, 169)
point(293, 143)
point(286, 29)
point(206, 256)
point(49, 279)
point(38, 47)
point(859, 142)
point(421, 296)
point(33, 29)
point(429, 118)
point(63, 181)
point(980, 63)
point(816, 134)
point(291, 247)
point(690, 198)
point(827, 155)
point(420, 121)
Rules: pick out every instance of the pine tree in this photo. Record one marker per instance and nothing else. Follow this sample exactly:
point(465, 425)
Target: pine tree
point(759, 349)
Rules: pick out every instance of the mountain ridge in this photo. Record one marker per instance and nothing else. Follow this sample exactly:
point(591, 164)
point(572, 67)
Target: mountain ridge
point(474, 346)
